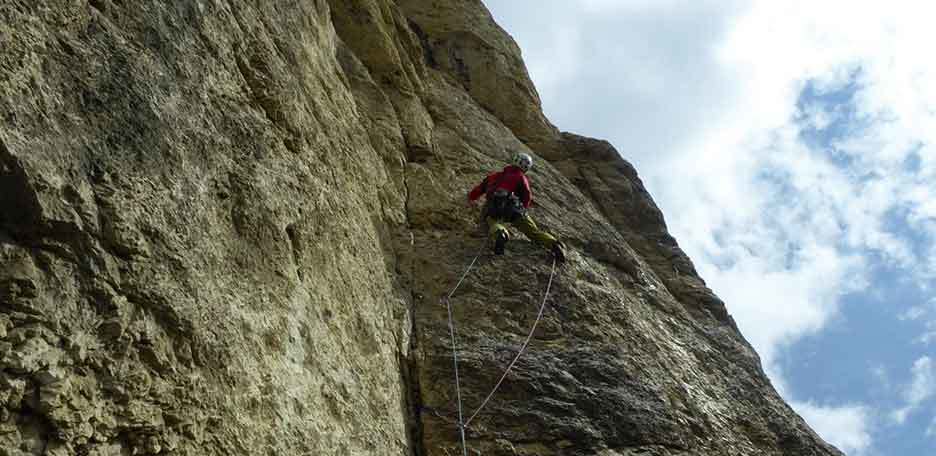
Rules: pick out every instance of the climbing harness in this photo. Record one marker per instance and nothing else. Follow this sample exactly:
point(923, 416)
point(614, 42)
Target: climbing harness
point(505, 206)
point(499, 203)
point(463, 424)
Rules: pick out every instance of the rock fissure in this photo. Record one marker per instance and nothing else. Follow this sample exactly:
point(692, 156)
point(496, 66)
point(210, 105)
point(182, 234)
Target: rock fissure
point(21, 208)
point(98, 5)
point(412, 378)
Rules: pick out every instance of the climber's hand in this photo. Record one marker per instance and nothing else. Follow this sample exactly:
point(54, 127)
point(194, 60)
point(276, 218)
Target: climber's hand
point(472, 203)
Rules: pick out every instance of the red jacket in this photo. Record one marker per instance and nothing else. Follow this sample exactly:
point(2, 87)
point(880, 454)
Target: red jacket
point(511, 179)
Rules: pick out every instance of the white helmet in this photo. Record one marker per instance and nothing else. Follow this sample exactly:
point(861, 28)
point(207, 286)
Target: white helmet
point(523, 161)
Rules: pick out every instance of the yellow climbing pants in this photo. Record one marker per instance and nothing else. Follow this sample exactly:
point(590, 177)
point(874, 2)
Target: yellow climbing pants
point(526, 225)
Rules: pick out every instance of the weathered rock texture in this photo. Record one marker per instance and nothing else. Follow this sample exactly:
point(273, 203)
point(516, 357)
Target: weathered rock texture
point(225, 227)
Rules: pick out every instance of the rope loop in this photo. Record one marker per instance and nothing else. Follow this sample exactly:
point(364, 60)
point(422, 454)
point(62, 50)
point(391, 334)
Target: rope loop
point(448, 305)
point(463, 424)
point(523, 347)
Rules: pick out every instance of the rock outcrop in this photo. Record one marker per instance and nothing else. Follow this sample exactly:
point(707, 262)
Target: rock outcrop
point(226, 226)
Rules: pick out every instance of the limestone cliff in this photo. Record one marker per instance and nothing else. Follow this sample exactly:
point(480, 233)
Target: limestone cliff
point(226, 225)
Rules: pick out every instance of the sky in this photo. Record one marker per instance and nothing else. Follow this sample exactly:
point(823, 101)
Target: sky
point(792, 148)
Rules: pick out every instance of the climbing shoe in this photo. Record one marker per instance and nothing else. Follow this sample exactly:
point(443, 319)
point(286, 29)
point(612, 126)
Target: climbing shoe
point(558, 251)
point(499, 242)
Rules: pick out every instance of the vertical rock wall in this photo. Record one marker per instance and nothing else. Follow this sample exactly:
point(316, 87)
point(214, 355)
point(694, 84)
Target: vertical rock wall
point(225, 227)
point(195, 235)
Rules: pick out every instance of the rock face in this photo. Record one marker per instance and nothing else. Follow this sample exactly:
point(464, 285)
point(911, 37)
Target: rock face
point(226, 226)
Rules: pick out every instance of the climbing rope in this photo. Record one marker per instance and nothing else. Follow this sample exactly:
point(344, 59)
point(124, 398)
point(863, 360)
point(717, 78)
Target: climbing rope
point(523, 347)
point(462, 424)
point(448, 304)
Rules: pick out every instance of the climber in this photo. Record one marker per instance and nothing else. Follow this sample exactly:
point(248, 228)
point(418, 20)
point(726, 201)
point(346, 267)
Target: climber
point(508, 196)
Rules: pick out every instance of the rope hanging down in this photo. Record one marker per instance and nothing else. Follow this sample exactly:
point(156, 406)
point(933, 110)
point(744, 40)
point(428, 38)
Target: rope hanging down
point(448, 304)
point(462, 425)
point(539, 316)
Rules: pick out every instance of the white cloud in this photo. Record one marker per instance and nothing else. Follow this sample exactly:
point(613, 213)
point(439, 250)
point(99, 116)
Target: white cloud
point(788, 303)
point(900, 415)
point(556, 62)
point(913, 313)
point(931, 429)
point(846, 427)
point(924, 314)
point(929, 335)
point(922, 386)
point(924, 381)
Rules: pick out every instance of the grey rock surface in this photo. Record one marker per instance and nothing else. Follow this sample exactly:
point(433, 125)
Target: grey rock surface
point(226, 227)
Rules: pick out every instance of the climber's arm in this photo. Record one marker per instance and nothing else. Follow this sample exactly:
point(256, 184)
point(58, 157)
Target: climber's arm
point(524, 193)
point(476, 192)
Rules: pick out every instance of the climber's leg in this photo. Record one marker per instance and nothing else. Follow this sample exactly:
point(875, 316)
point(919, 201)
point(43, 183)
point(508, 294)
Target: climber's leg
point(528, 227)
point(498, 234)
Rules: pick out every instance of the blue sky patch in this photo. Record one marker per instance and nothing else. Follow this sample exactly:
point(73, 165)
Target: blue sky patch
point(864, 354)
